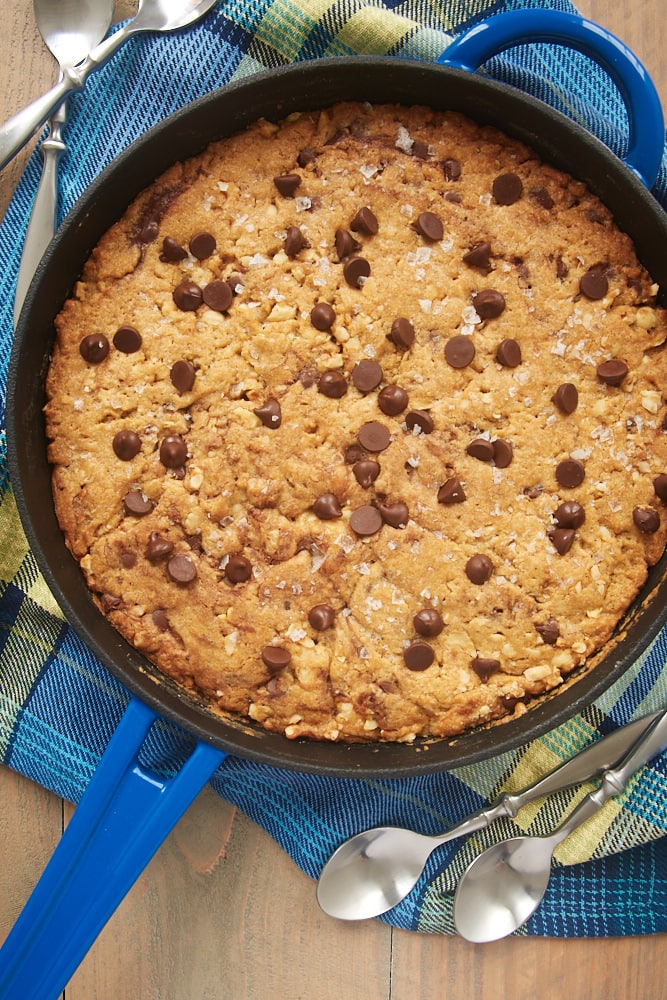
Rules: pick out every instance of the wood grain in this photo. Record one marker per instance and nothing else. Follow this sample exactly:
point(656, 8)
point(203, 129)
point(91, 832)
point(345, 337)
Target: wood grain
point(221, 913)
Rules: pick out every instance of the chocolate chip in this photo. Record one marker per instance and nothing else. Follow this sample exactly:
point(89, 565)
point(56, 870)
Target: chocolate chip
point(430, 227)
point(507, 189)
point(374, 436)
point(566, 398)
point(479, 256)
point(484, 667)
point(94, 348)
point(332, 384)
point(345, 244)
point(238, 569)
point(418, 656)
point(173, 451)
point(479, 569)
point(503, 453)
point(451, 169)
point(127, 339)
point(354, 453)
point(269, 413)
point(428, 622)
point(562, 539)
point(287, 184)
point(172, 251)
point(396, 515)
point(188, 296)
point(392, 400)
point(367, 375)
point(451, 492)
point(459, 351)
point(419, 421)
point(612, 372)
point(482, 449)
point(202, 245)
point(562, 270)
point(569, 514)
point(593, 284)
point(570, 473)
point(306, 155)
point(276, 658)
point(508, 353)
point(322, 316)
point(365, 222)
point(327, 508)
point(126, 444)
point(402, 333)
point(454, 197)
point(149, 231)
point(660, 486)
point(366, 520)
point(366, 471)
point(137, 504)
point(647, 519)
point(355, 271)
point(489, 303)
point(217, 295)
point(321, 617)
point(160, 620)
point(294, 241)
point(158, 547)
point(541, 196)
point(549, 631)
point(182, 375)
point(128, 559)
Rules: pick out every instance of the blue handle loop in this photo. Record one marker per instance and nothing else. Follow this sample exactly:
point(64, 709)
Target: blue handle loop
point(646, 122)
point(123, 817)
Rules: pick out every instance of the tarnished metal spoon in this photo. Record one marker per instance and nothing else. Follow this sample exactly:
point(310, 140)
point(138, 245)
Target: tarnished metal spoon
point(70, 29)
point(152, 15)
point(505, 884)
point(376, 869)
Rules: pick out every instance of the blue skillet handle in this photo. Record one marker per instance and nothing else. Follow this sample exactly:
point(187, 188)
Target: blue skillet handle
point(646, 122)
point(123, 817)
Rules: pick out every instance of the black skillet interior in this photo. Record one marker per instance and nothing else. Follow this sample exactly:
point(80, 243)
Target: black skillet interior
point(274, 95)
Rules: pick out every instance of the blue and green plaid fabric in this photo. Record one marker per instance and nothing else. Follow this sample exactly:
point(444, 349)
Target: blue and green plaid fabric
point(58, 706)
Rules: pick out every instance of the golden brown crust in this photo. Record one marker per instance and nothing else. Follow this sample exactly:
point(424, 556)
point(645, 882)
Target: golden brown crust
point(248, 488)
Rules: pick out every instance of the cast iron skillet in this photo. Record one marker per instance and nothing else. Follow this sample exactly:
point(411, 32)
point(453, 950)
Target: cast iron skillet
point(623, 186)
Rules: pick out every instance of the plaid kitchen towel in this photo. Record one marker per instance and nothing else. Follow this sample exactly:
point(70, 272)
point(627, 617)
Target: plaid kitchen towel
point(58, 706)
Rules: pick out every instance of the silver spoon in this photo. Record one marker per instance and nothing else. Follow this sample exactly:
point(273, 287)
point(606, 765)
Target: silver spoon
point(70, 29)
point(152, 15)
point(376, 869)
point(505, 884)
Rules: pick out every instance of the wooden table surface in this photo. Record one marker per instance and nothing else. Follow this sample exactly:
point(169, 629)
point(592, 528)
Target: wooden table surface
point(221, 913)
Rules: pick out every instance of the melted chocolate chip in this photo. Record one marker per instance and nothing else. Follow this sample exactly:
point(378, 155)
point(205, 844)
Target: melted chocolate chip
point(173, 451)
point(321, 617)
point(430, 227)
point(238, 569)
point(126, 444)
point(202, 245)
point(326, 507)
point(479, 256)
point(569, 514)
point(570, 473)
point(562, 539)
point(367, 375)
point(541, 196)
point(128, 559)
point(355, 271)
point(269, 413)
point(332, 384)
point(322, 316)
point(188, 296)
point(365, 222)
point(94, 348)
point(172, 251)
point(593, 284)
point(160, 620)
point(508, 353)
point(418, 655)
point(548, 631)
point(479, 569)
point(419, 421)
point(484, 667)
point(137, 504)
point(374, 436)
point(182, 376)
point(428, 622)
point(294, 242)
point(451, 492)
point(402, 333)
point(217, 295)
point(459, 351)
point(396, 515)
point(612, 372)
point(488, 303)
point(158, 547)
point(276, 658)
point(366, 520)
point(345, 244)
point(646, 519)
point(366, 472)
point(287, 184)
point(127, 339)
point(507, 189)
point(392, 400)
point(566, 398)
